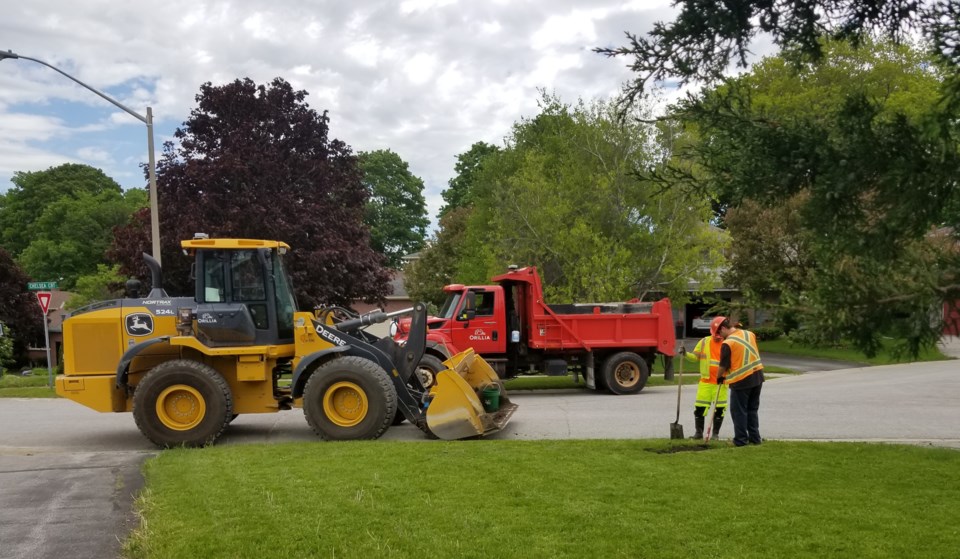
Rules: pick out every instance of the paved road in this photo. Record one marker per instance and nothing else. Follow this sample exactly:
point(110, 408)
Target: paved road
point(68, 473)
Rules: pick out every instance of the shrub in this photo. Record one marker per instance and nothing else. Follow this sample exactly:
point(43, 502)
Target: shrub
point(812, 337)
point(6, 348)
point(767, 333)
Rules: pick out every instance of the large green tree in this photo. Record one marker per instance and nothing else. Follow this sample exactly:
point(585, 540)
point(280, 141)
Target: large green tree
point(467, 168)
point(396, 209)
point(708, 36)
point(440, 260)
point(564, 195)
point(255, 161)
point(880, 177)
point(847, 143)
point(58, 223)
point(437, 266)
point(104, 284)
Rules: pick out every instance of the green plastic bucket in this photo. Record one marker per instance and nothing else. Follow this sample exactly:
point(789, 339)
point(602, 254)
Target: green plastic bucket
point(490, 397)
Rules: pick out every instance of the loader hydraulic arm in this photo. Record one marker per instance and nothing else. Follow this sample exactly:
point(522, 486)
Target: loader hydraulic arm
point(412, 351)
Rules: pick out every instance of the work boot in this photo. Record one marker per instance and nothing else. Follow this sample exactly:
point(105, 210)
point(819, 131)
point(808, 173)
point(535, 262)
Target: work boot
point(717, 422)
point(699, 423)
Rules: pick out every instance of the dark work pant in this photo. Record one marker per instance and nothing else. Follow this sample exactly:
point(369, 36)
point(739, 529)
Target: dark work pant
point(744, 407)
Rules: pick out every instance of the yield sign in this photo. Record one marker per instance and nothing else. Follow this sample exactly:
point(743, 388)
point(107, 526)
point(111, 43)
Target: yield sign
point(43, 297)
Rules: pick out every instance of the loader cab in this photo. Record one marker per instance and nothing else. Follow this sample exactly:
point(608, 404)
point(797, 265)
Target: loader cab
point(243, 293)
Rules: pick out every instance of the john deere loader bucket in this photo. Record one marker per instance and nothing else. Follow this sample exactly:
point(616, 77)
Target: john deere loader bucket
point(457, 410)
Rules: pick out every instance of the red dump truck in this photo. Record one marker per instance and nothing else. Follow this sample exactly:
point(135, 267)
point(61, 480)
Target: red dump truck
point(612, 345)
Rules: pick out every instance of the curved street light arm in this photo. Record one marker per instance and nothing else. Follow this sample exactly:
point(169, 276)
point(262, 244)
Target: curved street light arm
point(148, 120)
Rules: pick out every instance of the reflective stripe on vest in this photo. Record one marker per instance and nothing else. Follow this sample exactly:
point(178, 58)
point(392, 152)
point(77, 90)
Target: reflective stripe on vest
point(744, 356)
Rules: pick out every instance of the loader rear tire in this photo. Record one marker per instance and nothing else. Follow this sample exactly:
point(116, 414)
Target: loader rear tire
point(349, 398)
point(625, 373)
point(182, 403)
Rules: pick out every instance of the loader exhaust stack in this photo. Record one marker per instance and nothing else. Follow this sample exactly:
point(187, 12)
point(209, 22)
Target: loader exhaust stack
point(156, 278)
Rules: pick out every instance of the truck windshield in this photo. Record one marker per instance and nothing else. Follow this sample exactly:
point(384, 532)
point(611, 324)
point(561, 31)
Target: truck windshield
point(450, 305)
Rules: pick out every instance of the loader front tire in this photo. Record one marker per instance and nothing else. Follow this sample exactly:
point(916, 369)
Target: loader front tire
point(625, 373)
point(349, 398)
point(182, 403)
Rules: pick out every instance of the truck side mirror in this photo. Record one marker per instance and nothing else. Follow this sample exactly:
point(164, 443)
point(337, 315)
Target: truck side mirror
point(469, 306)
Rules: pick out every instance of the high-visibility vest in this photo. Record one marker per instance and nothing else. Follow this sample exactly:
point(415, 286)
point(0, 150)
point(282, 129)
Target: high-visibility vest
point(744, 356)
point(707, 352)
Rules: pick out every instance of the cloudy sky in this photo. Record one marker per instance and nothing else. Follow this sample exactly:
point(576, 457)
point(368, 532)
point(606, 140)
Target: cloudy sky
point(425, 78)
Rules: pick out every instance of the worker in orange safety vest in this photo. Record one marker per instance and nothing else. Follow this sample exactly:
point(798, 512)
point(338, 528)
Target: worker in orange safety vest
point(707, 352)
point(742, 371)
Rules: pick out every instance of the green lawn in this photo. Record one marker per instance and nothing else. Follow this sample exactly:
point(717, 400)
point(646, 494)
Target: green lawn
point(35, 386)
point(609, 498)
point(847, 353)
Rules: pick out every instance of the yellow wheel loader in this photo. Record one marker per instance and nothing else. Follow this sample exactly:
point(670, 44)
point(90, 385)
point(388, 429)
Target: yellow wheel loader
point(187, 366)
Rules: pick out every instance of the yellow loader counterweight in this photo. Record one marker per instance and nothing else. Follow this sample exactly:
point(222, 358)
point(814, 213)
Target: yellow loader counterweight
point(187, 366)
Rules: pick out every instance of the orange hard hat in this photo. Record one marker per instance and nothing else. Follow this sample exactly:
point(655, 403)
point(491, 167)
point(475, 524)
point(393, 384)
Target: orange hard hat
point(715, 324)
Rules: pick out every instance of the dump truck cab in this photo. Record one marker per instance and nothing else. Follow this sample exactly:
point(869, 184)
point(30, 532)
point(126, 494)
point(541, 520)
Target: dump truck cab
point(473, 316)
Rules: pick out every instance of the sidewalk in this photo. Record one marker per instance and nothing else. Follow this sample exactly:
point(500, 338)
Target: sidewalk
point(950, 346)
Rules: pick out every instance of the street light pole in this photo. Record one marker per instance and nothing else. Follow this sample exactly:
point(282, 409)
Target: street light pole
point(147, 120)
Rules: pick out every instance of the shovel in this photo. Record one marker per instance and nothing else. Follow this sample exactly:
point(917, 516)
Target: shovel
point(676, 430)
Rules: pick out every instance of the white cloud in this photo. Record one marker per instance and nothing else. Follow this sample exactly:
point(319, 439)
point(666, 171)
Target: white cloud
point(426, 78)
point(259, 29)
point(95, 155)
point(575, 27)
point(419, 68)
point(363, 50)
point(413, 6)
point(19, 157)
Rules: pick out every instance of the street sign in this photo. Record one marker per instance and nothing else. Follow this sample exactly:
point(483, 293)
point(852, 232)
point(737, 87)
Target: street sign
point(41, 285)
point(43, 297)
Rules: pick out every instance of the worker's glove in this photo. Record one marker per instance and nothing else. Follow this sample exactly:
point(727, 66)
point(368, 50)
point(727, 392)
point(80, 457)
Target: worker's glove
point(683, 351)
point(720, 380)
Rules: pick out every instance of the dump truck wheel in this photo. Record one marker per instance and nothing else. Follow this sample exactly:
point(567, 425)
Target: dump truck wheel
point(182, 402)
point(428, 369)
point(625, 373)
point(349, 398)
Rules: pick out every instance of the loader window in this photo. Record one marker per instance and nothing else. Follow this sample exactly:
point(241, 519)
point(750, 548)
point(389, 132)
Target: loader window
point(248, 283)
point(213, 280)
point(286, 301)
point(249, 287)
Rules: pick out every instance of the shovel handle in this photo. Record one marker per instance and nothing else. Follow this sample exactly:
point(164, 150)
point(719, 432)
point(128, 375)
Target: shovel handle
point(679, 383)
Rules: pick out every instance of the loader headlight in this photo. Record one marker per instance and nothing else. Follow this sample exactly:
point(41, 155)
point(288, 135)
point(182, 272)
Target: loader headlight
point(394, 328)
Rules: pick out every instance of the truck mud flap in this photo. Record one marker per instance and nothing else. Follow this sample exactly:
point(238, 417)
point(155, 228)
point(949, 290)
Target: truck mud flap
point(456, 407)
